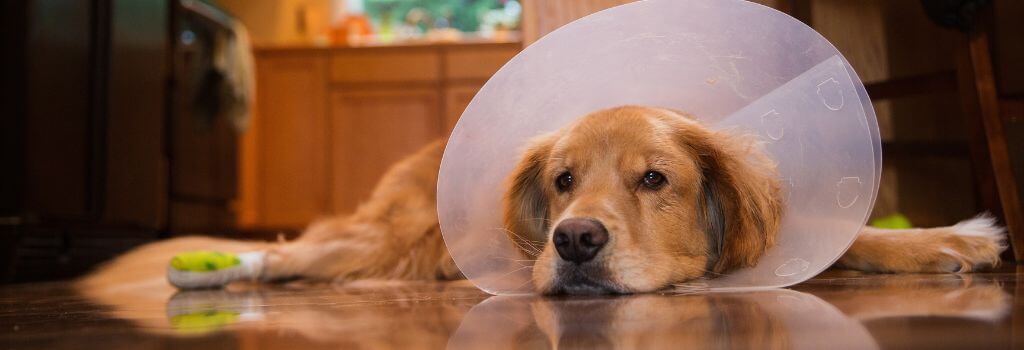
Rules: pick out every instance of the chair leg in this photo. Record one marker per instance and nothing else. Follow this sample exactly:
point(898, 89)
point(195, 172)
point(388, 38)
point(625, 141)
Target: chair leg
point(799, 9)
point(989, 150)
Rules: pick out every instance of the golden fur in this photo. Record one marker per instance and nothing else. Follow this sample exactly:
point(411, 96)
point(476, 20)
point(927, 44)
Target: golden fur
point(720, 209)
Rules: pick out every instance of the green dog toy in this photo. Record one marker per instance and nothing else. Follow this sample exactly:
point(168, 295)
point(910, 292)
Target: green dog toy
point(207, 269)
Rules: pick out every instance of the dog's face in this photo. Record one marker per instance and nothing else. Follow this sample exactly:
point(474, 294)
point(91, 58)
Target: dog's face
point(634, 199)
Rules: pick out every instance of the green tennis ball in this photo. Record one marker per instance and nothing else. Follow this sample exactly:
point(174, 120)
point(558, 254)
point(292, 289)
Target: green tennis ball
point(204, 261)
point(894, 221)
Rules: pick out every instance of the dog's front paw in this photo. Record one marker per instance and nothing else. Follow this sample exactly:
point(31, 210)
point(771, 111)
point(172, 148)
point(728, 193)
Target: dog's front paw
point(964, 247)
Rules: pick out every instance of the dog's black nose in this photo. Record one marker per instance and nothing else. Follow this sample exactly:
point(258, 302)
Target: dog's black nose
point(579, 240)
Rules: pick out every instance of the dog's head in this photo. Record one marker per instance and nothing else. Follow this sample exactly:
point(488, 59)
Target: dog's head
point(634, 199)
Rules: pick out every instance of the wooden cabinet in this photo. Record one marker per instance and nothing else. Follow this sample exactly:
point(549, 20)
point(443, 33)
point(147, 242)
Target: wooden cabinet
point(285, 172)
point(466, 69)
point(475, 63)
point(329, 122)
point(108, 140)
point(385, 65)
point(456, 98)
point(370, 131)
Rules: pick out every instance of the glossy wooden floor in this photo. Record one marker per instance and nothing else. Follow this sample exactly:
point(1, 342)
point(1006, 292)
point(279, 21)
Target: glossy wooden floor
point(838, 310)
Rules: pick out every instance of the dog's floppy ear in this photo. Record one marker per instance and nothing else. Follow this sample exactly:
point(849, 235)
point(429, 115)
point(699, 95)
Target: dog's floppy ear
point(741, 198)
point(526, 205)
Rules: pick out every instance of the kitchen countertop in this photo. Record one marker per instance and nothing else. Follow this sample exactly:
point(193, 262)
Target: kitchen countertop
point(405, 43)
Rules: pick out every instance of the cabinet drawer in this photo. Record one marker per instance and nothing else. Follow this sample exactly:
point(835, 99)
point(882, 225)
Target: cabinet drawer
point(477, 62)
point(385, 65)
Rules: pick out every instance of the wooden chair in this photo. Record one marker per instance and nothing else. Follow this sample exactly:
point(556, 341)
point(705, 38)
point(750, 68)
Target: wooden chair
point(986, 112)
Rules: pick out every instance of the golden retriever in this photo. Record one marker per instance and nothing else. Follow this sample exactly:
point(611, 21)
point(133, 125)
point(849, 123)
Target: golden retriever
point(625, 200)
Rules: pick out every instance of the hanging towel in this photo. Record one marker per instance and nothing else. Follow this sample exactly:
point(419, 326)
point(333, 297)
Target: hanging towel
point(233, 58)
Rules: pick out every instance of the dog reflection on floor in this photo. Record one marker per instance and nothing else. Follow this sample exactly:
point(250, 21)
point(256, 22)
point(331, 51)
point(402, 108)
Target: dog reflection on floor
point(434, 315)
point(716, 320)
point(770, 319)
point(653, 322)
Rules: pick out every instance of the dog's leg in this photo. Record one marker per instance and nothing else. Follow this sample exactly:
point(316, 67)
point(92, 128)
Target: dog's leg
point(393, 235)
point(327, 250)
point(355, 250)
point(963, 247)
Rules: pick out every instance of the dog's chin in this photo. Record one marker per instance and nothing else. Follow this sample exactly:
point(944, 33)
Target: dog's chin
point(575, 280)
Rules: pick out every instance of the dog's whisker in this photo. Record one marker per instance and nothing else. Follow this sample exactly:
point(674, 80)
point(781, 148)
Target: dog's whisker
point(512, 272)
point(528, 281)
point(526, 246)
point(506, 230)
point(523, 262)
point(523, 243)
point(540, 219)
point(521, 237)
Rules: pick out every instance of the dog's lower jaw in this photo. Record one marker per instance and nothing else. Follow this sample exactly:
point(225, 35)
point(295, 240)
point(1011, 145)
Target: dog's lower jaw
point(581, 288)
point(593, 288)
point(580, 280)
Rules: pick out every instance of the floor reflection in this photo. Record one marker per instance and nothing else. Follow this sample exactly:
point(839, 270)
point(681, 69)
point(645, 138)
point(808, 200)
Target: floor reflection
point(837, 310)
point(975, 311)
point(868, 296)
point(297, 315)
point(774, 319)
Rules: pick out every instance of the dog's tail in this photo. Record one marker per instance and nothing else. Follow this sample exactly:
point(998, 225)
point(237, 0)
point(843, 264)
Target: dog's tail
point(146, 266)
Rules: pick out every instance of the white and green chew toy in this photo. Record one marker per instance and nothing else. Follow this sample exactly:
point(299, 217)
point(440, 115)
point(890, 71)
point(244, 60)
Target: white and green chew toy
point(208, 269)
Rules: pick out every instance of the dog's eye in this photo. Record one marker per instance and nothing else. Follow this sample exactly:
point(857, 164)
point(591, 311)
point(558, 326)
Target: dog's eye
point(653, 180)
point(564, 182)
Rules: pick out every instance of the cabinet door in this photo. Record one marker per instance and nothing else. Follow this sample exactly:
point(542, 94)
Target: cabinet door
point(456, 99)
point(290, 131)
point(59, 93)
point(371, 130)
point(136, 177)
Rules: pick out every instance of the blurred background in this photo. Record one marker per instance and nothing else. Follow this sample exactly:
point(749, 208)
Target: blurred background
point(128, 121)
